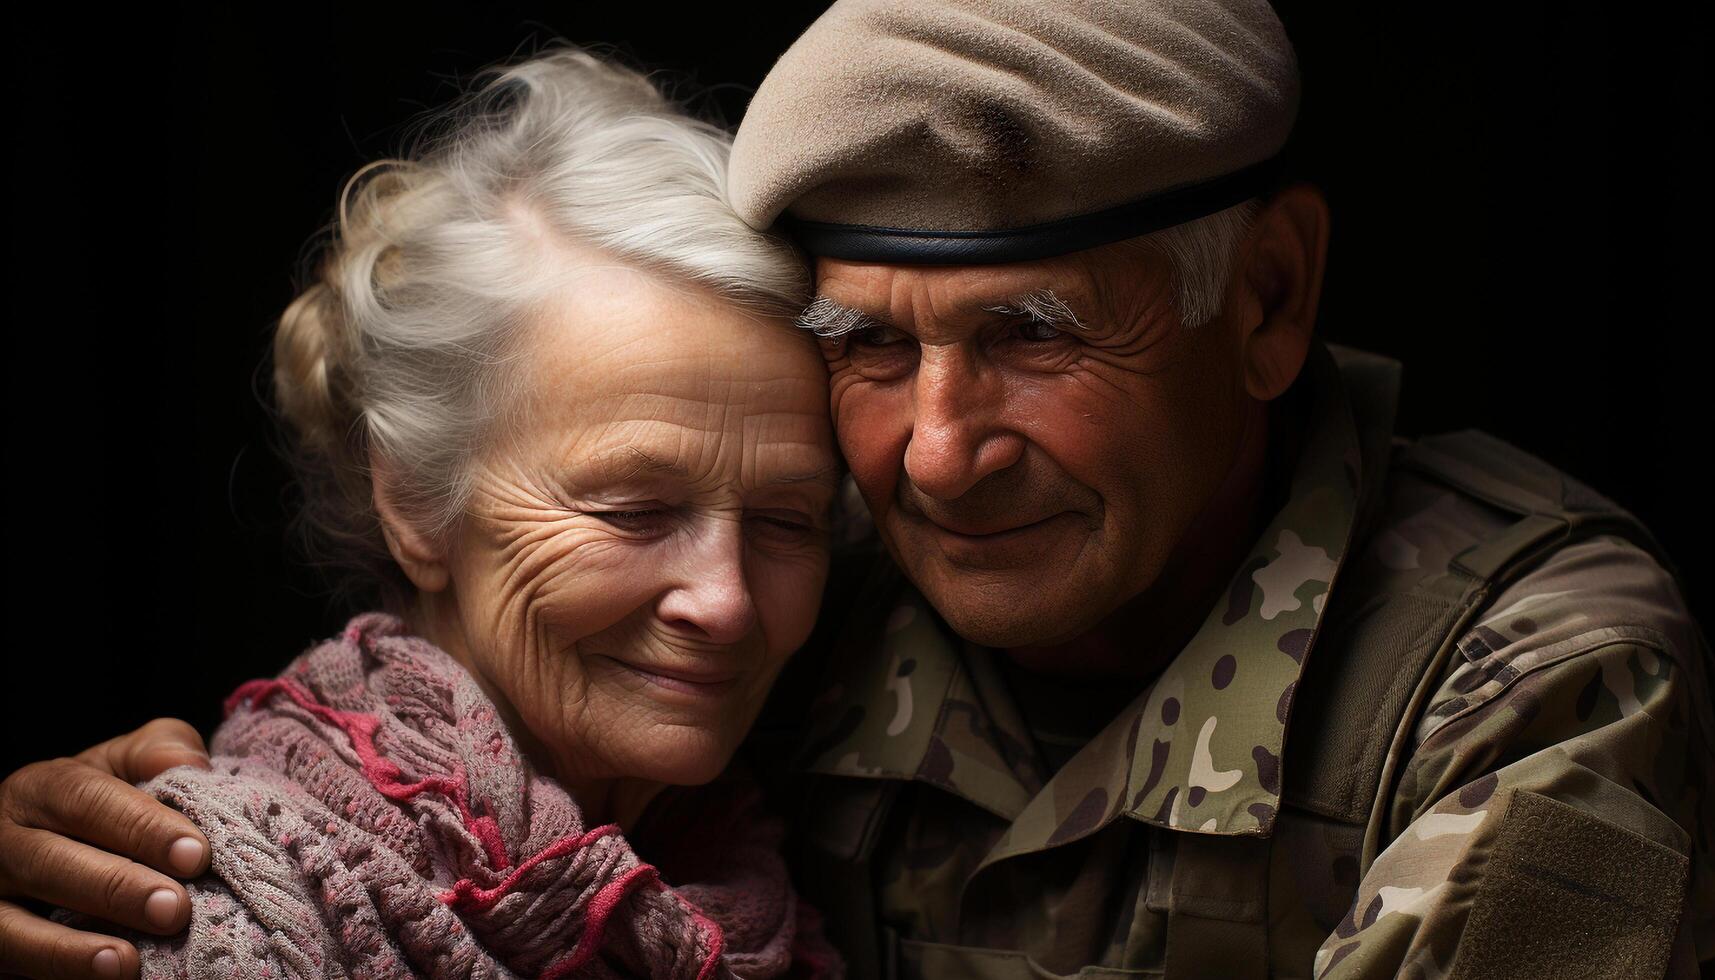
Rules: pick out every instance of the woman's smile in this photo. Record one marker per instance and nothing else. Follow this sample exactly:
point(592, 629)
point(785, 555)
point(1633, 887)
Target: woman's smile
point(679, 682)
point(549, 409)
point(647, 543)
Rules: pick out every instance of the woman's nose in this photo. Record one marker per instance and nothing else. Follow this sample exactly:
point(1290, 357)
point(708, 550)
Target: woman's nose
point(955, 442)
point(712, 600)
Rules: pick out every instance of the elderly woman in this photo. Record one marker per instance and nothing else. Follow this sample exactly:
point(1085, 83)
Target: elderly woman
point(548, 403)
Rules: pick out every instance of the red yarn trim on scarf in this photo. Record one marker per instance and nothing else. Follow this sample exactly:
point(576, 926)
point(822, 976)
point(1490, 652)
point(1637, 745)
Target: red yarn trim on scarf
point(717, 938)
point(595, 923)
point(609, 898)
point(381, 773)
point(466, 894)
point(387, 778)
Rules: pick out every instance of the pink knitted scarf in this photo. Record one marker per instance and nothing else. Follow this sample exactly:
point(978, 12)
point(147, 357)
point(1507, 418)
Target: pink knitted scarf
point(371, 816)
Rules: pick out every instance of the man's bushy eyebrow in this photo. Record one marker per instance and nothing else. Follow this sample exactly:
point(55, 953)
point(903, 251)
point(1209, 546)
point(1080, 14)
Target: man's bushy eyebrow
point(1042, 305)
point(826, 318)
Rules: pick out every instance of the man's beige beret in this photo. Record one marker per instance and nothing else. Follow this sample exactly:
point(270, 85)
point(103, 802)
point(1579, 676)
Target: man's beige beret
point(967, 131)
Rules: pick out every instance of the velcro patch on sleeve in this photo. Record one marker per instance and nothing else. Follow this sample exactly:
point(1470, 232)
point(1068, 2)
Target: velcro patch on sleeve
point(1567, 894)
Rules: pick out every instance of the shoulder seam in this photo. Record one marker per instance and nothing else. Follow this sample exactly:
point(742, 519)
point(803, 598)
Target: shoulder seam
point(1574, 647)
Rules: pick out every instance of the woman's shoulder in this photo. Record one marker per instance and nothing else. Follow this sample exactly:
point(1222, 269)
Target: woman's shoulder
point(244, 948)
point(256, 912)
point(379, 729)
point(374, 682)
point(343, 795)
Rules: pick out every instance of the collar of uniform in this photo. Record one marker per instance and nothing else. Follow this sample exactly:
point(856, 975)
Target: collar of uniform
point(1201, 749)
point(906, 705)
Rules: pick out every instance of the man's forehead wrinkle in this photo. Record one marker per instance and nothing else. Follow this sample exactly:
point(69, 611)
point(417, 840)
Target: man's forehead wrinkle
point(1142, 304)
point(974, 289)
point(1127, 273)
point(917, 299)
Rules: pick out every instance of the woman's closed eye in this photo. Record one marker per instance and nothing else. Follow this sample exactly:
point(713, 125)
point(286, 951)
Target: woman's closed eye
point(781, 524)
point(642, 521)
point(650, 521)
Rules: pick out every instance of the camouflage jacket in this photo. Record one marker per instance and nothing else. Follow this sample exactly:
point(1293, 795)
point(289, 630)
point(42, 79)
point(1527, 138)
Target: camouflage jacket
point(1500, 745)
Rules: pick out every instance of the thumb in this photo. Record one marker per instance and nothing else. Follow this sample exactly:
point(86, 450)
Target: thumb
point(156, 747)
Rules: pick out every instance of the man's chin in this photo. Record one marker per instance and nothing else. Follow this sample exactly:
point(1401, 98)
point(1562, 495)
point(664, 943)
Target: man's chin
point(1007, 615)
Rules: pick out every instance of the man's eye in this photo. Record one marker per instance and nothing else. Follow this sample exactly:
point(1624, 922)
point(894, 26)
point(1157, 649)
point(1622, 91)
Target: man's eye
point(878, 336)
point(1037, 331)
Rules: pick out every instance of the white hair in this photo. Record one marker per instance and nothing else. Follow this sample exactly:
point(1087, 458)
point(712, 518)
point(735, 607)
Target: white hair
point(1201, 253)
point(1042, 306)
point(435, 260)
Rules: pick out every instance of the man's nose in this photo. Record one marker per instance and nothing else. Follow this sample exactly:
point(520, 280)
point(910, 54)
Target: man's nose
point(712, 600)
point(956, 438)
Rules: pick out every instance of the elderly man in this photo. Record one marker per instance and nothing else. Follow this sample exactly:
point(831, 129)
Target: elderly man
point(1165, 657)
point(1149, 527)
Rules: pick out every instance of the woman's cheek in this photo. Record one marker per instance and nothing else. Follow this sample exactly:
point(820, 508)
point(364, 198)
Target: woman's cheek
point(558, 591)
point(590, 586)
point(788, 592)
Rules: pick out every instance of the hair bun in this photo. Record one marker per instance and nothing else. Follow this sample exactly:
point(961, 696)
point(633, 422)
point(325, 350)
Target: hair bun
point(309, 370)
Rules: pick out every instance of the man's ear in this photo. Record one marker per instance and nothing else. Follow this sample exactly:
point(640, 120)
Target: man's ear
point(422, 559)
point(1278, 284)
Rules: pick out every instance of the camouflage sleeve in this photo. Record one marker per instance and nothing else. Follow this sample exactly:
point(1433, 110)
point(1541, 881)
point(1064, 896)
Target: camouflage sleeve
point(1552, 820)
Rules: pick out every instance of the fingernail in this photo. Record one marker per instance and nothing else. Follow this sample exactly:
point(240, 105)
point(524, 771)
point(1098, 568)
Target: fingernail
point(106, 963)
point(161, 908)
point(185, 855)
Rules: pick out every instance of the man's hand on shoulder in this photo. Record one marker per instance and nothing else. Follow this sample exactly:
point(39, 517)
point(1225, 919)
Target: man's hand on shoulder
point(77, 834)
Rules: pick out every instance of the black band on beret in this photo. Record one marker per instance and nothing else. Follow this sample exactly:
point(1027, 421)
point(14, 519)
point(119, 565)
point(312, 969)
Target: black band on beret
point(911, 246)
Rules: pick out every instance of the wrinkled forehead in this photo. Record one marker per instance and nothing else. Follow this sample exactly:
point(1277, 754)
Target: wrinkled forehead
point(900, 292)
point(661, 459)
point(669, 424)
point(631, 377)
point(1088, 284)
point(619, 334)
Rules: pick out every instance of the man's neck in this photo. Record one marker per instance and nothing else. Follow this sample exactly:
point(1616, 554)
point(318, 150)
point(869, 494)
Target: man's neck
point(1137, 640)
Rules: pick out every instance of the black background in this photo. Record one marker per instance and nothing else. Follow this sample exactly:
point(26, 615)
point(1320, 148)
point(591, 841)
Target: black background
point(1522, 215)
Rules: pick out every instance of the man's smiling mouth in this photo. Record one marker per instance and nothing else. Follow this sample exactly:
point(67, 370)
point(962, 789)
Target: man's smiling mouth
point(987, 530)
